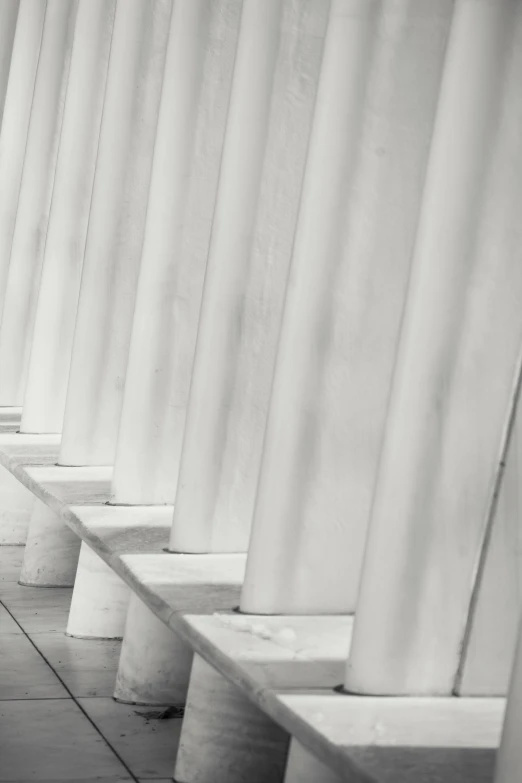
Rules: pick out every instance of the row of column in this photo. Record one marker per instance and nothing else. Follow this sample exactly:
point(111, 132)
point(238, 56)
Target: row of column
point(260, 257)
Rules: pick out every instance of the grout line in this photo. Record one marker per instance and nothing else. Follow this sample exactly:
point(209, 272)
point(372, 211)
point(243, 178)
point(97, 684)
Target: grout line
point(71, 696)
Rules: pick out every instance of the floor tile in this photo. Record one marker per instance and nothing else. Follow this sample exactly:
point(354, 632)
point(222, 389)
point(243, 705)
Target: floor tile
point(11, 559)
point(38, 609)
point(53, 741)
point(147, 745)
point(7, 624)
point(24, 673)
point(87, 666)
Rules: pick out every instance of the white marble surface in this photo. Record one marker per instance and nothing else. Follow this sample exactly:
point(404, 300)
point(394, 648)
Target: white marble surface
point(8, 18)
point(455, 378)
point(224, 737)
point(51, 550)
point(115, 234)
point(48, 370)
point(273, 95)
point(282, 663)
point(34, 199)
point(274, 652)
point(100, 600)
point(119, 530)
point(369, 145)
point(15, 123)
point(155, 663)
point(187, 155)
point(16, 505)
point(60, 486)
point(172, 585)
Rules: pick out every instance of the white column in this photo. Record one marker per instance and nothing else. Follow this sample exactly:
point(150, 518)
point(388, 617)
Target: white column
point(187, 153)
point(16, 505)
point(509, 756)
point(154, 666)
point(48, 371)
point(115, 233)
point(34, 201)
point(373, 122)
point(274, 85)
point(51, 550)
point(8, 17)
point(100, 600)
point(490, 638)
point(456, 371)
point(224, 737)
point(15, 122)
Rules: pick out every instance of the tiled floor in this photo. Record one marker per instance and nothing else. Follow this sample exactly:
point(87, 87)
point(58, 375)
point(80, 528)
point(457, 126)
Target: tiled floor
point(58, 721)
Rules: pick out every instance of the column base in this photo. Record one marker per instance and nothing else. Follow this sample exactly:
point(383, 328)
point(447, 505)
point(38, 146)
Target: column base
point(16, 505)
point(154, 663)
point(225, 738)
point(99, 602)
point(303, 767)
point(51, 550)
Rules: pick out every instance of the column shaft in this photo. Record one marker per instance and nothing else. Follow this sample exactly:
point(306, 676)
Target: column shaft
point(34, 201)
point(365, 170)
point(456, 372)
point(15, 123)
point(490, 639)
point(115, 232)
point(48, 371)
point(273, 93)
point(187, 153)
point(8, 16)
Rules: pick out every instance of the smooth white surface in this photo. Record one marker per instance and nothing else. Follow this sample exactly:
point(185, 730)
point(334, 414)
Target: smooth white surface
point(456, 371)
point(16, 505)
point(187, 154)
point(51, 550)
point(115, 233)
point(100, 600)
point(48, 370)
point(362, 189)
point(176, 585)
point(64, 486)
point(273, 93)
point(434, 740)
point(8, 16)
point(273, 653)
point(15, 123)
point(288, 666)
point(34, 200)
point(509, 758)
point(225, 738)
point(488, 652)
point(154, 663)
